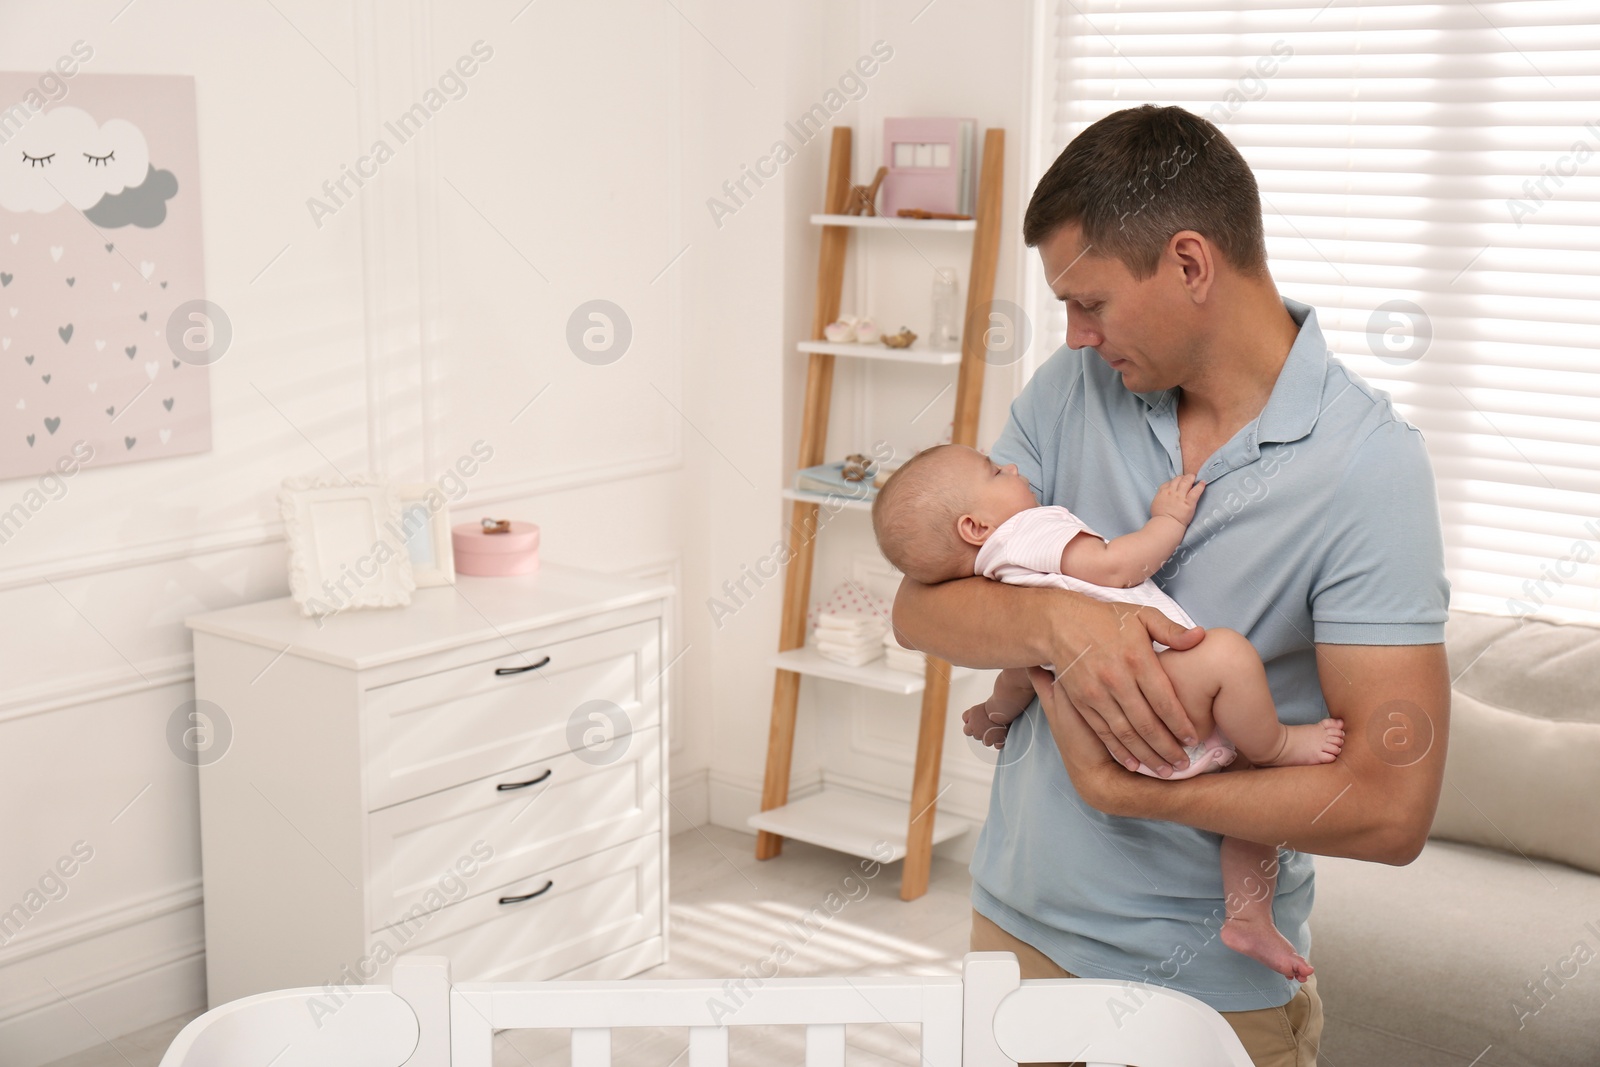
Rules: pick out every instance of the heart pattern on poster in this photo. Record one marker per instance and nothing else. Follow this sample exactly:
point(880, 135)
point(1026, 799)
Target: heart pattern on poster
point(55, 254)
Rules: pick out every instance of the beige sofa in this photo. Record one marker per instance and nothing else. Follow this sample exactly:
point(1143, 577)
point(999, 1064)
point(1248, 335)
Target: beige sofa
point(1486, 950)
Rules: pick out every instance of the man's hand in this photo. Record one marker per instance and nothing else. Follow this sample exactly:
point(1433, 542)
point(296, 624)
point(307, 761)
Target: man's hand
point(1111, 679)
point(1177, 499)
point(1089, 764)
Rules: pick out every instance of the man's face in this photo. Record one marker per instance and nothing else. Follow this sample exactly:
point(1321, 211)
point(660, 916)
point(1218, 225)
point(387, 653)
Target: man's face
point(1137, 326)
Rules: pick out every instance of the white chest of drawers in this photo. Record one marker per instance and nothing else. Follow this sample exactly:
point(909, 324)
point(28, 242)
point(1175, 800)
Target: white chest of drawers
point(479, 775)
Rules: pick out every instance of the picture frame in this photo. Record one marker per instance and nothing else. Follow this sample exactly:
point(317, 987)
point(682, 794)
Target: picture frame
point(425, 523)
point(346, 548)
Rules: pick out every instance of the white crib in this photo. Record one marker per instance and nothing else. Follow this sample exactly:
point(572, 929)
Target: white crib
point(987, 1017)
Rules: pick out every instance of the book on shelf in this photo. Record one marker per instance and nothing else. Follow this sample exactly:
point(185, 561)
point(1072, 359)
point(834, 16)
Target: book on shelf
point(931, 165)
point(829, 478)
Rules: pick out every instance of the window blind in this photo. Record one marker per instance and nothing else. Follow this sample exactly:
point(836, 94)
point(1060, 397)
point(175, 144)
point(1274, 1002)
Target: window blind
point(1430, 180)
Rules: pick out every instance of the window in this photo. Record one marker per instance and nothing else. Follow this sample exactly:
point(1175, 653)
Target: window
point(1430, 179)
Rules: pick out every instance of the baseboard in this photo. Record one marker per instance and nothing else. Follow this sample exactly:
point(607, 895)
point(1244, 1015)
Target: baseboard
point(733, 800)
point(691, 801)
point(176, 987)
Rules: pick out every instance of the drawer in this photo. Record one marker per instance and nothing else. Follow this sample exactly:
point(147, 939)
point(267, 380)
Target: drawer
point(439, 730)
point(452, 844)
point(587, 908)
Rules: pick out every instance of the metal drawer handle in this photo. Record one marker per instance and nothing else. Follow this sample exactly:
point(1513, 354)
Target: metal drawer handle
point(506, 787)
point(519, 670)
point(528, 896)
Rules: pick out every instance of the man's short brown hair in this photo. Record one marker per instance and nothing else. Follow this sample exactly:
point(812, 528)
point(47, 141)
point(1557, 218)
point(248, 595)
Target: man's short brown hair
point(1138, 176)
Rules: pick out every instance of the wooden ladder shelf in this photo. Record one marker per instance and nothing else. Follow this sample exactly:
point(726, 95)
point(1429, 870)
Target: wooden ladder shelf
point(919, 839)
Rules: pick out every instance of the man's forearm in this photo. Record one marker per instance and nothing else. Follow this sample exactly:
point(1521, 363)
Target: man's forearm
point(978, 622)
point(1322, 809)
point(1375, 802)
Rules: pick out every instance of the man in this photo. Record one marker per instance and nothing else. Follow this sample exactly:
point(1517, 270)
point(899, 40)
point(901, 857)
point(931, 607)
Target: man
point(1317, 537)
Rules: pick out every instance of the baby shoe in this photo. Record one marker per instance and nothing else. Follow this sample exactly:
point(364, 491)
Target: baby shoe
point(839, 332)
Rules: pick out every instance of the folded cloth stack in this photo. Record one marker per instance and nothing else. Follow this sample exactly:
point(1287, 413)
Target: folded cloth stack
point(902, 659)
point(849, 626)
point(850, 638)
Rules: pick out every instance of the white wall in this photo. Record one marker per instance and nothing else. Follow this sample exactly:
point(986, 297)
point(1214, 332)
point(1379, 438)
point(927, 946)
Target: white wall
point(412, 323)
point(415, 321)
point(948, 59)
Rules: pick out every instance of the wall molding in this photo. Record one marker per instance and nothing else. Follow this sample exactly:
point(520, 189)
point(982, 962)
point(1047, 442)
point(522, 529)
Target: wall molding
point(90, 688)
point(166, 550)
point(107, 920)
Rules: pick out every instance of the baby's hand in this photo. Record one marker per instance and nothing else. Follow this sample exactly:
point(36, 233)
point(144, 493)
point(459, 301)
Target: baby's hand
point(1177, 499)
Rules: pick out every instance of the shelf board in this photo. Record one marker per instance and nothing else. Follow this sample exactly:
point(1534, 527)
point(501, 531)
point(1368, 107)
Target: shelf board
point(874, 675)
point(846, 502)
point(884, 222)
point(919, 352)
point(853, 823)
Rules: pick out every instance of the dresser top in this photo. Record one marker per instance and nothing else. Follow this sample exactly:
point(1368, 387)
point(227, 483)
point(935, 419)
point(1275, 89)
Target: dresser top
point(437, 619)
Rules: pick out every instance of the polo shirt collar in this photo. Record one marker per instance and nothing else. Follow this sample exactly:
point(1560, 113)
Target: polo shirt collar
point(1296, 401)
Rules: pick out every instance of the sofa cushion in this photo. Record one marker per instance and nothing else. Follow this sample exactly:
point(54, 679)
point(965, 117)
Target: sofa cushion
point(1429, 964)
point(1520, 783)
point(1548, 670)
point(1524, 738)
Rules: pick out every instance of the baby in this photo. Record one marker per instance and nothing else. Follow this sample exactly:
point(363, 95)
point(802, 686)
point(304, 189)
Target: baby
point(950, 512)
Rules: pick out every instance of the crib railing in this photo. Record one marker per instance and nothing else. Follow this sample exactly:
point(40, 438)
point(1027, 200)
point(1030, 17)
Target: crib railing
point(987, 1017)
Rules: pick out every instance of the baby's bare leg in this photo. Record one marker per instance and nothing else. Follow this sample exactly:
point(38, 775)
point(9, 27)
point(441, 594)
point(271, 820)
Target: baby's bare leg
point(1249, 882)
point(1223, 675)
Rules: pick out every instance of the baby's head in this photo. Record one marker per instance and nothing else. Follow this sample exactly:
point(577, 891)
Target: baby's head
point(932, 514)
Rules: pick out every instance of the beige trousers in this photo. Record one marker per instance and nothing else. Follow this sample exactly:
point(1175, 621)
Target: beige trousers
point(1274, 1037)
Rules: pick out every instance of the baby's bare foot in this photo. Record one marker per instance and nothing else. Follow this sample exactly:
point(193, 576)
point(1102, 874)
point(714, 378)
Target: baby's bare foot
point(978, 724)
point(1263, 943)
point(1318, 742)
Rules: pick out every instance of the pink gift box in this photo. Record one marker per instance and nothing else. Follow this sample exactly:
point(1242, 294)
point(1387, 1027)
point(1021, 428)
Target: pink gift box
point(495, 555)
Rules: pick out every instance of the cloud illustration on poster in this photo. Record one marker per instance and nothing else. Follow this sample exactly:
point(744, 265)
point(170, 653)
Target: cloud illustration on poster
point(64, 156)
point(144, 205)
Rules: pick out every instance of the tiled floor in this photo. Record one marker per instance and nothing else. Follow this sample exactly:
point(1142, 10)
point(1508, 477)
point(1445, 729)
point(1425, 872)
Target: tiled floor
point(730, 910)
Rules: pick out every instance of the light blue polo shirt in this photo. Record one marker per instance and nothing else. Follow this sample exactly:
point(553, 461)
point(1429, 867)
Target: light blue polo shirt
point(1319, 524)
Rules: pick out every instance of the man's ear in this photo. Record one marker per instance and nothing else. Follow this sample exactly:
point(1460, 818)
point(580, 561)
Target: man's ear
point(1196, 257)
point(973, 530)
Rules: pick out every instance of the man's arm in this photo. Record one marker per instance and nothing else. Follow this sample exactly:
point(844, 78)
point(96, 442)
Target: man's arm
point(1102, 652)
point(1375, 802)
